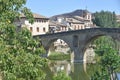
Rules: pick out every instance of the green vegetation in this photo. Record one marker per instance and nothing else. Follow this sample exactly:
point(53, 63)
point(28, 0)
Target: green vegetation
point(58, 56)
point(118, 24)
point(105, 19)
point(109, 63)
point(19, 52)
point(19, 55)
point(61, 76)
point(106, 48)
point(11, 10)
point(118, 70)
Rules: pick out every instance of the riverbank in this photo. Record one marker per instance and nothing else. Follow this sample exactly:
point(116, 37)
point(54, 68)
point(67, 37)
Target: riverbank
point(58, 56)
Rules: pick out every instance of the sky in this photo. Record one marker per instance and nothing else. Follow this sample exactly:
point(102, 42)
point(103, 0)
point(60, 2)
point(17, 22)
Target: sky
point(50, 8)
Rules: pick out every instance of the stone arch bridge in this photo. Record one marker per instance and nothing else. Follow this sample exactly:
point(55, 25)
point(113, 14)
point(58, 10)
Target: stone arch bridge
point(79, 40)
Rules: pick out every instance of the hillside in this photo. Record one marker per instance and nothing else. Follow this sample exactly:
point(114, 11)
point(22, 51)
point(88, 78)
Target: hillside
point(78, 12)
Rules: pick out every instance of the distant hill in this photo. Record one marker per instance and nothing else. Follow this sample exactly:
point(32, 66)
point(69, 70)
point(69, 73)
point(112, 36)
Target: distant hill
point(78, 12)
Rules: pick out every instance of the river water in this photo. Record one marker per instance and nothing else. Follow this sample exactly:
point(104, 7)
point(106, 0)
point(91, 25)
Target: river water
point(77, 71)
point(118, 74)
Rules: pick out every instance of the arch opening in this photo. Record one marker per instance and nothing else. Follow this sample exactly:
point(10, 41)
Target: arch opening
point(97, 42)
point(59, 49)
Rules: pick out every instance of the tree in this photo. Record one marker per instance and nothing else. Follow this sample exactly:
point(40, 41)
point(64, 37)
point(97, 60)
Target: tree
point(114, 20)
point(105, 19)
point(11, 9)
point(20, 55)
point(106, 47)
point(109, 63)
point(19, 51)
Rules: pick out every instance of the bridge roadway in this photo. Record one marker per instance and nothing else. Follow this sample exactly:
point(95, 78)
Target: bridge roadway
point(79, 40)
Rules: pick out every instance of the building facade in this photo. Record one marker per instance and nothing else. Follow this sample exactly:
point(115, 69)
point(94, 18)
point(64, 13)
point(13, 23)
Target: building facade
point(55, 27)
point(76, 22)
point(40, 25)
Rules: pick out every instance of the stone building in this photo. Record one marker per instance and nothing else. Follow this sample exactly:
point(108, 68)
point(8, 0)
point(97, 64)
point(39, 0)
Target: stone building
point(80, 22)
point(55, 27)
point(79, 19)
point(40, 25)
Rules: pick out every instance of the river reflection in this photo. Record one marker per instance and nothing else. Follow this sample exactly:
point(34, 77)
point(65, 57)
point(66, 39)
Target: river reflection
point(77, 71)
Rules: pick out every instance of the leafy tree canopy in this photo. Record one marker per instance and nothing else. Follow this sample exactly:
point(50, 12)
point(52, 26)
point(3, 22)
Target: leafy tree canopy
point(109, 63)
point(19, 51)
point(20, 55)
point(11, 9)
point(105, 19)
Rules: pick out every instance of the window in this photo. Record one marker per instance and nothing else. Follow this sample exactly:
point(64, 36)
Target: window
point(44, 29)
point(37, 29)
point(31, 29)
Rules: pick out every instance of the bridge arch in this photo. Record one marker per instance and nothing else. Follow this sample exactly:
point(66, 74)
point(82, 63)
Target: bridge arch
point(96, 36)
point(83, 38)
point(52, 41)
point(91, 39)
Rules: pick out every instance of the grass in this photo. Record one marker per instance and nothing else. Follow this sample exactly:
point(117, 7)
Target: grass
point(58, 56)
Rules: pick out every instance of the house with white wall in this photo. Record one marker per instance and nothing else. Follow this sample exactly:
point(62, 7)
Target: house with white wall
point(55, 27)
point(76, 20)
point(40, 25)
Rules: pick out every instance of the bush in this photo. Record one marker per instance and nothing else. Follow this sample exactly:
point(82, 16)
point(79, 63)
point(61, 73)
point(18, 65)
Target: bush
point(19, 55)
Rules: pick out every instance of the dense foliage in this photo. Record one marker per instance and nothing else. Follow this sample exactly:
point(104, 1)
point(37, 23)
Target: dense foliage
point(11, 9)
point(109, 63)
point(19, 51)
point(106, 48)
point(20, 55)
point(105, 19)
point(105, 41)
